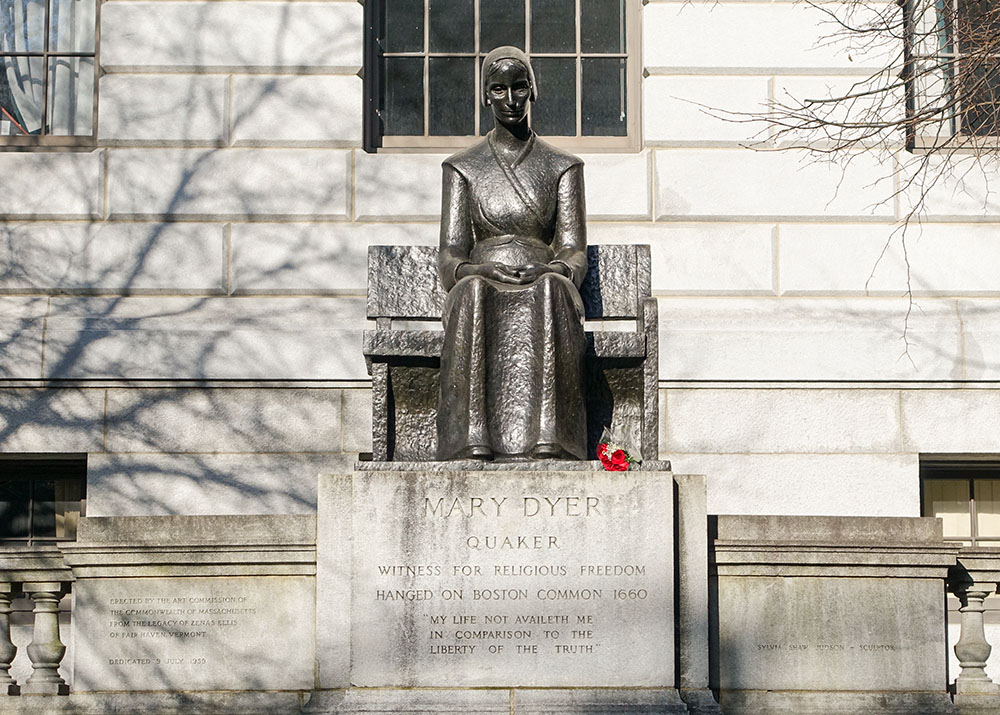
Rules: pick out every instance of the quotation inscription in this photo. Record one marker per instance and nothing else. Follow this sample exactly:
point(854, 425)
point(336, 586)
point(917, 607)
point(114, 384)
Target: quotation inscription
point(492, 628)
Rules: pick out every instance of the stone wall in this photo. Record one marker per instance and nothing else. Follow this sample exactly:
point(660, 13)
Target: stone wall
point(220, 232)
point(185, 304)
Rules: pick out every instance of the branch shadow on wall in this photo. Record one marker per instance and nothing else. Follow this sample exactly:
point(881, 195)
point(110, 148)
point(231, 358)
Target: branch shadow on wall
point(189, 395)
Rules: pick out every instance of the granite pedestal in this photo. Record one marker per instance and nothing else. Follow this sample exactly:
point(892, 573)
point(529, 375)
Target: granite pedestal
point(497, 587)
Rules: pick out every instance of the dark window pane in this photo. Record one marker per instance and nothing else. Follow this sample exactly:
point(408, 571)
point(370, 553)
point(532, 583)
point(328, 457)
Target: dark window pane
point(22, 25)
point(404, 26)
point(43, 518)
point(452, 93)
point(602, 25)
point(982, 100)
point(71, 96)
point(554, 112)
point(14, 501)
point(604, 97)
point(403, 109)
point(73, 25)
point(21, 95)
point(553, 26)
point(452, 26)
point(978, 25)
point(41, 498)
point(501, 22)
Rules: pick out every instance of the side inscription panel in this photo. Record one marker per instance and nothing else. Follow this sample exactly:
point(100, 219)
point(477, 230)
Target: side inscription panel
point(194, 633)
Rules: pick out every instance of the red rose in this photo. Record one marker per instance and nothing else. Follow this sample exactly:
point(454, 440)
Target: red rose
point(602, 454)
point(619, 460)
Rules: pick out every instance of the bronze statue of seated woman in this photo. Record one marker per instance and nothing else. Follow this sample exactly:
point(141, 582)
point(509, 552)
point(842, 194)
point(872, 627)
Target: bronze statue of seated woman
point(513, 255)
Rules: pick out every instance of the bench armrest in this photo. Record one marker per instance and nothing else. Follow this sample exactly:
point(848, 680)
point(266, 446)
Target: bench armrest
point(384, 345)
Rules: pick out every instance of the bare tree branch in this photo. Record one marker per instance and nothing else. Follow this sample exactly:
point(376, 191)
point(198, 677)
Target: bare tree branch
point(931, 99)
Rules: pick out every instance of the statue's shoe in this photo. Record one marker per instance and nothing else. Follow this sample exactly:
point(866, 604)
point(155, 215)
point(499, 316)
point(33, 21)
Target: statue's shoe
point(476, 451)
point(549, 451)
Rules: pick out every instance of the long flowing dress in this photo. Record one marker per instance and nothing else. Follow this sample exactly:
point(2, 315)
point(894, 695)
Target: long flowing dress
point(512, 362)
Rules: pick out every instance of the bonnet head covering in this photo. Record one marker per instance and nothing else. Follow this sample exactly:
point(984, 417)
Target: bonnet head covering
point(506, 52)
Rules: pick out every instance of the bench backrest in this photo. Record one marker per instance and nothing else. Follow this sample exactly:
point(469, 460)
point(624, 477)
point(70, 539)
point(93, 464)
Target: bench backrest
point(403, 282)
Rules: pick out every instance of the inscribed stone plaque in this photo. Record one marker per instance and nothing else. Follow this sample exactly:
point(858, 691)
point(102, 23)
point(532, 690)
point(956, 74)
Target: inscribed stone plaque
point(513, 579)
point(232, 633)
point(805, 633)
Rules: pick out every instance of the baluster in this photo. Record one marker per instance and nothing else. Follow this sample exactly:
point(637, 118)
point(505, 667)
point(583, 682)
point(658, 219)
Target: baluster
point(972, 648)
point(45, 650)
point(7, 648)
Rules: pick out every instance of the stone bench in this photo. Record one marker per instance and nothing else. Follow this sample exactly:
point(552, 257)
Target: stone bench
point(621, 374)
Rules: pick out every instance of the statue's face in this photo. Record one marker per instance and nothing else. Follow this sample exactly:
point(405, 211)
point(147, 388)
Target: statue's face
point(508, 90)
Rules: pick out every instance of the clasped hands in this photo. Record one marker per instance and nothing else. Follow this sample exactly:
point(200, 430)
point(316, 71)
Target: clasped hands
point(514, 275)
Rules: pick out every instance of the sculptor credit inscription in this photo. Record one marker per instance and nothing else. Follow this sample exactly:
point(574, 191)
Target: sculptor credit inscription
point(836, 646)
point(537, 580)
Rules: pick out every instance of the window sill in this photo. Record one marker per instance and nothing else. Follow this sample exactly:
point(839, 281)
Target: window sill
point(959, 144)
point(32, 143)
point(577, 145)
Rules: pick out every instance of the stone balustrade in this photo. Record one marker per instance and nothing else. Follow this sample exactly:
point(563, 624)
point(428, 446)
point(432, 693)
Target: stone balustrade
point(825, 565)
point(39, 573)
point(974, 577)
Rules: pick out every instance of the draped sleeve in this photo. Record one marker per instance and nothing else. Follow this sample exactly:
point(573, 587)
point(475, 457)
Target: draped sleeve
point(569, 241)
point(456, 226)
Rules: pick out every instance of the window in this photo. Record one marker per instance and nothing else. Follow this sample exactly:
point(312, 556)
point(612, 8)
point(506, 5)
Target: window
point(422, 64)
point(954, 71)
point(41, 500)
point(965, 495)
point(48, 68)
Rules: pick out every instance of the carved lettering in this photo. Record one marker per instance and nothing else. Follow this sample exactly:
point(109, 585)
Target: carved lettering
point(551, 506)
point(409, 594)
point(505, 580)
point(512, 542)
point(560, 506)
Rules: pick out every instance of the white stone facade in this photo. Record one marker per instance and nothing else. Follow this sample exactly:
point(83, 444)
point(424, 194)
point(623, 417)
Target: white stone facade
point(220, 231)
point(185, 303)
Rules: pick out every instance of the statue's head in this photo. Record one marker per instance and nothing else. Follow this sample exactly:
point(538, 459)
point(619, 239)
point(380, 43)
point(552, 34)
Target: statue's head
point(508, 83)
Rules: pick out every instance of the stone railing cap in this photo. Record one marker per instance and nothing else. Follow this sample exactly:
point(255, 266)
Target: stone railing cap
point(830, 529)
point(168, 530)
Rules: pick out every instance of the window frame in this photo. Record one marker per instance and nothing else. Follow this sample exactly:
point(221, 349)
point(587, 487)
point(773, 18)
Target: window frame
point(374, 141)
point(959, 469)
point(921, 19)
point(59, 142)
point(66, 467)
